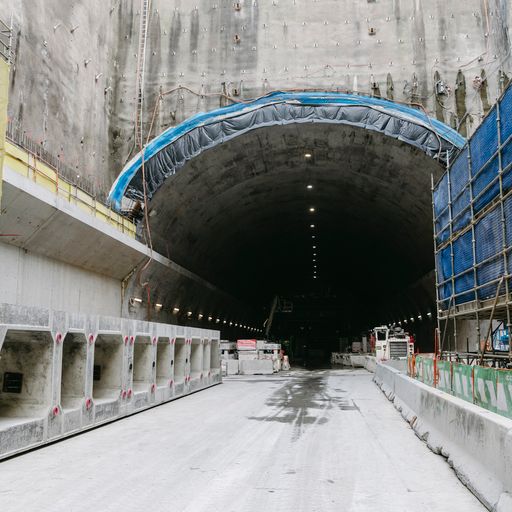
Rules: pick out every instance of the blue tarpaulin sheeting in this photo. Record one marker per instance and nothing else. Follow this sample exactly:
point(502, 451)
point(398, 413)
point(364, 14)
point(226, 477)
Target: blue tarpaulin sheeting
point(168, 152)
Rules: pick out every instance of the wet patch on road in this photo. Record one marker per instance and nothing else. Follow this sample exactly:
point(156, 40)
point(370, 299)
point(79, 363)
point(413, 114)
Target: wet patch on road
point(303, 401)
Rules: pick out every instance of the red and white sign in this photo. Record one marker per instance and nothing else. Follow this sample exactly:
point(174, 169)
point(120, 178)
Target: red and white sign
point(246, 344)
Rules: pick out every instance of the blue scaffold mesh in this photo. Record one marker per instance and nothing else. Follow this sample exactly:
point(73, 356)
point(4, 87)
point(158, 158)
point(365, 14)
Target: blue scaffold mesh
point(460, 194)
point(467, 211)
point(463, 267)
point(489, 237)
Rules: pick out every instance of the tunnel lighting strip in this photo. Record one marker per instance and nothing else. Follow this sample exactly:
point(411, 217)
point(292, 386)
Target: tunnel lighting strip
point(411, 127)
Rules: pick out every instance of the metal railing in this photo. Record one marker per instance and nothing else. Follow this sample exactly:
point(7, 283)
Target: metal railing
point(93, 186)
point(48, 170)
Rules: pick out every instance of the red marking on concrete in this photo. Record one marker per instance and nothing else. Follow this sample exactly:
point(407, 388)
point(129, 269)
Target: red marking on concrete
point(153, 388)
point(129, 393)
point(88, 403)
point(91, 339)
point(55, 411)
point(58, 338)
point(126, 340)
point(123, 394)
point(154, 341)
point(132, 340)
point(171, 382)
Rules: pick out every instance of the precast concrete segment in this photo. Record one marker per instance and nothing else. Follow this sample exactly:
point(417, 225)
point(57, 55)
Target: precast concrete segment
point(61, 373)
point(304, 442)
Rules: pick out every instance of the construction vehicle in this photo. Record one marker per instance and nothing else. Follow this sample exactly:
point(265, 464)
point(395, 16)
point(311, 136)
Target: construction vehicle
point(391, 343)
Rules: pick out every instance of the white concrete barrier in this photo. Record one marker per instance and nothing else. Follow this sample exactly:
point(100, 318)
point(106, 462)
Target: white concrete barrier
point(476, 442)
point(370, 363)
point(257, 367)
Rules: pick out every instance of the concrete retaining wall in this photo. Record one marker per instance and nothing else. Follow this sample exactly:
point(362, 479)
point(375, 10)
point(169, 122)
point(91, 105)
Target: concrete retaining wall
point(34, 280)
point(476, 442)
point(63, 373)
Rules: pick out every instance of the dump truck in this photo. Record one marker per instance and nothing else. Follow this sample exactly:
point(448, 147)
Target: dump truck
point(391, 343)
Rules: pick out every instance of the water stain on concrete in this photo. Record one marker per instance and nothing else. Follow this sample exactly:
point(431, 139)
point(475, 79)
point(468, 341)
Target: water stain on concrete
point(304, 401)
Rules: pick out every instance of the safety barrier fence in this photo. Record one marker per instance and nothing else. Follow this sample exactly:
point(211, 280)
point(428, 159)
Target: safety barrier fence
point(490, 388)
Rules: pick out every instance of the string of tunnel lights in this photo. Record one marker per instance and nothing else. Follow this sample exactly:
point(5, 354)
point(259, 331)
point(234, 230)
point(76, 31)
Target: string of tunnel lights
point(405, 321)
point(175, 311)
point(312, 226)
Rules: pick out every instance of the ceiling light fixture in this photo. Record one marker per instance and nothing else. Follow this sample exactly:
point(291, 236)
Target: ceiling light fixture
point(175, 310)
point(309, 187)
point(307, 155)
point(312, 226)
point(312, 209)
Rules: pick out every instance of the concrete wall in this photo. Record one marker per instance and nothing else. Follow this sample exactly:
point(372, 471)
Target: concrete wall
point(73, 80)
point(77, 371)
point(476, 442)
point(467, 334)
point(33, 280)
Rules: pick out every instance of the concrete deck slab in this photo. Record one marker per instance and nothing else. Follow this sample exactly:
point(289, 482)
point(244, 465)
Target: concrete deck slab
point(304, 441)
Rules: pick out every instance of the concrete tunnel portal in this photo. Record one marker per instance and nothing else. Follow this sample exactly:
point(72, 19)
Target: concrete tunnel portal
point(333, 217)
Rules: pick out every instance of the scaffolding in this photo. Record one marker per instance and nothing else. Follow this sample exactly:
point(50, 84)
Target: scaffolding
point(6, 40)
point(472, 210)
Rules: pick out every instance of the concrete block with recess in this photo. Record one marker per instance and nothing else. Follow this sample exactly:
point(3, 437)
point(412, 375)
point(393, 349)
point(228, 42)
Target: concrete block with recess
point(73, 372)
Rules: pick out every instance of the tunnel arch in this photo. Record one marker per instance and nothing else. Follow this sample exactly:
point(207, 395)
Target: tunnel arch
point(237, 213)
point(169, 151)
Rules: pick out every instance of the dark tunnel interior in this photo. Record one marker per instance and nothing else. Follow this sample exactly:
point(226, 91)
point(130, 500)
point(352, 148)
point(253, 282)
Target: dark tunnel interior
point(334, 220)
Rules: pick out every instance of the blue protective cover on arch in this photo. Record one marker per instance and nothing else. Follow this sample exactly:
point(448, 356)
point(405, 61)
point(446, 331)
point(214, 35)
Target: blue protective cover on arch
point(169, 151)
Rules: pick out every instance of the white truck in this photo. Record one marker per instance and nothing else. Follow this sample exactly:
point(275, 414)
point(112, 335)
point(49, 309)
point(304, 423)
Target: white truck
point(392, 343)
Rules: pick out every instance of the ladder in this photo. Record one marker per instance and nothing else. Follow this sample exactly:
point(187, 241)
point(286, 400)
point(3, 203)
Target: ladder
point(145, 6)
